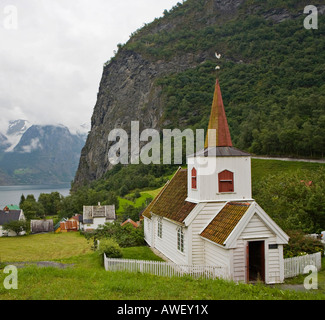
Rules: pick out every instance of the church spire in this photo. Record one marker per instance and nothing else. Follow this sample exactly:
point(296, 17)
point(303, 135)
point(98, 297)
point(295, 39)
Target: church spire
point(220, 136)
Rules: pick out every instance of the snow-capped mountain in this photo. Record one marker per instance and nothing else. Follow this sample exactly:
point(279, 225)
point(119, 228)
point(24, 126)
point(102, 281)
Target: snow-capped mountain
point(16, 129)
point(39, 154)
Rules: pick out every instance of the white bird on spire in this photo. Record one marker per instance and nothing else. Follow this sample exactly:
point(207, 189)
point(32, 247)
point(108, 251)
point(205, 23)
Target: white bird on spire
point(218, 56)
point(217, 68)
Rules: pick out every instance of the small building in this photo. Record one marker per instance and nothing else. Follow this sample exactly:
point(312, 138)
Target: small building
point(41, 226)
point(70, 225)
point(94, 216)
point(8, 215)
point(131, 222)
point(205, 215)
point(11, 207)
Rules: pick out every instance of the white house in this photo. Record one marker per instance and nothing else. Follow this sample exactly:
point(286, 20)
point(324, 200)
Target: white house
point(8, 215)
point(94, 216)
point(205, 214)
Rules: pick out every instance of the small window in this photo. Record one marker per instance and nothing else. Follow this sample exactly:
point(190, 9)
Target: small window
point(180, 240)
point(193, 174)
point(226, 181)
point(159, 228)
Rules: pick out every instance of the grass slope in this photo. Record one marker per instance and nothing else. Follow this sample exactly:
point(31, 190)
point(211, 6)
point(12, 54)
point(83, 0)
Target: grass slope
point(40, 247)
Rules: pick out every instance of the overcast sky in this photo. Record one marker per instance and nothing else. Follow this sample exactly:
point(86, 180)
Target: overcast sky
point(52, 62)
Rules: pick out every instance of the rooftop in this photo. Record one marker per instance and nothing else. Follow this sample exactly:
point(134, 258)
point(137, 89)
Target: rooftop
point(170, 202)
point(225, 221)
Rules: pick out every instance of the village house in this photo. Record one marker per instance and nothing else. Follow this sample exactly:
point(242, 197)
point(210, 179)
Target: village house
point(131, 222)
point(69, 225)
point(205, 215)
point(8, 214)
point(41, 226)
point(94, 216)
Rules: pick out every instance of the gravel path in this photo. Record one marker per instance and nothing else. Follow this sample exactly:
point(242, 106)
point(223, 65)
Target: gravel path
point(40, 264)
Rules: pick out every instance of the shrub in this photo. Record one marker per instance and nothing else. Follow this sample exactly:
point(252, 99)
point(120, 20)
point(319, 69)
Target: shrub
point(300, 244)
point(110, 247)
point(126, 236)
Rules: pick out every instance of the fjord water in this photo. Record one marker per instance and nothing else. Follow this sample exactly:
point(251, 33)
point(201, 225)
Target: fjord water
point(11, 194)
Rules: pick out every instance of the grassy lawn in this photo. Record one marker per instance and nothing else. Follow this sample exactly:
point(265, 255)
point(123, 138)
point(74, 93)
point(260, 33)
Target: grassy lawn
point(42, 247)
point(86, 278)
point(142, 200)
point(262, 168)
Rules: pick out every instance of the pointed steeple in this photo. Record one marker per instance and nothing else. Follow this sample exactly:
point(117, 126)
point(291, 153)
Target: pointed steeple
point(220, 136)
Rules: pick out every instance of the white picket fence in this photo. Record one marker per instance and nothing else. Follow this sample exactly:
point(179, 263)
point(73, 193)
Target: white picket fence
point(296, 265)
point(166, 269)
point(292, 267)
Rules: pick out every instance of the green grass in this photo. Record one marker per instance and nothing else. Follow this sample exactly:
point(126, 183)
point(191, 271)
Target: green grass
point(140, 253)
point(142, 200)
point(41, 247)
point(262, 168)
point(86, 278)
point(153, 193)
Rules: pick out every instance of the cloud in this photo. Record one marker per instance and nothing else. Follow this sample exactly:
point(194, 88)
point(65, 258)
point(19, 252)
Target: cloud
point(51, 65)
point(34, 145)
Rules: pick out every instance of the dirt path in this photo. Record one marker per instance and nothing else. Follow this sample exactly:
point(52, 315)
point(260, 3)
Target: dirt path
point(40, 264)
point(290, 159)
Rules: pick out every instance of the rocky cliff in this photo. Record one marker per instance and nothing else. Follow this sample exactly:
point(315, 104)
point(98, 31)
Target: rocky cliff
point(185, 38)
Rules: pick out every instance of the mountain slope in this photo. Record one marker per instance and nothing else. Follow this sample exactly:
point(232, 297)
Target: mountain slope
point(271, 78)
point(44, 155)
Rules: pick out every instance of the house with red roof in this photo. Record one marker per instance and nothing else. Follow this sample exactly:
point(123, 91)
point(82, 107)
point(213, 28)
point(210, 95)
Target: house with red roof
point(205, 215)
point(131, 222)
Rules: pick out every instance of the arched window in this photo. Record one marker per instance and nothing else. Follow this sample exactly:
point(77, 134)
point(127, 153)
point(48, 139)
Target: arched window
point(194, 176)
point(226, 181)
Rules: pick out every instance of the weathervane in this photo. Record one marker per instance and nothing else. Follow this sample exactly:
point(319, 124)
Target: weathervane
point(218, 56)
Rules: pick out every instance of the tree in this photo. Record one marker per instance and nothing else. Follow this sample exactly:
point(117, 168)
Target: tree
point(50, 202)
point(16, 226)
point(22, 199)
point(31, 208)
point(295, 200)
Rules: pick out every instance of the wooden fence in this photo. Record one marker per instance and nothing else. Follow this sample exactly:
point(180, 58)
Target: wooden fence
point(292, 267)
point(167, 269)
point(296, 265)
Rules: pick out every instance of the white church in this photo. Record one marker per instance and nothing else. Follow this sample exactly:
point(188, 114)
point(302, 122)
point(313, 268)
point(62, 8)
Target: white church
point(205, 215)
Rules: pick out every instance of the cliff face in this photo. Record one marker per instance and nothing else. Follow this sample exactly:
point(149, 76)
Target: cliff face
point(128, 92)
point(186, 37)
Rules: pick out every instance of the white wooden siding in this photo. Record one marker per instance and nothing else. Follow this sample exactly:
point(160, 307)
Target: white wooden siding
point(207, 178)
point(167, 244)
point(257, 230)
point(203, 218)
point(238, 262)
point(147, 227)
point(216, 255)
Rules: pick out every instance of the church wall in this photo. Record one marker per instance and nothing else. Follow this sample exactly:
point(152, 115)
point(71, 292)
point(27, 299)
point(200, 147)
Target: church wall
point(167, 244)
point(207, 178)
point(207, 213)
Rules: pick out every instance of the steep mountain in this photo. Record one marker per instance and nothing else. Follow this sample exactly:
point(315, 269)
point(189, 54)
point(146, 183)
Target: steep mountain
point(16, 129)
point(4, 143)
point(271, 78)
point(44, 155)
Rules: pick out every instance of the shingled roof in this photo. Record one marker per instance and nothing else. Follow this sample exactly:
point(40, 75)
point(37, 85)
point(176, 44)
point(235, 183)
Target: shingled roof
point(224, 222)
point(12, 215)
point(170, 202)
